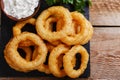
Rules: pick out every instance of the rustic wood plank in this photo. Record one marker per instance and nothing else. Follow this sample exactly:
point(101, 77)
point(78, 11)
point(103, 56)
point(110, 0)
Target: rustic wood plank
point(105, 12)
point(105, 54)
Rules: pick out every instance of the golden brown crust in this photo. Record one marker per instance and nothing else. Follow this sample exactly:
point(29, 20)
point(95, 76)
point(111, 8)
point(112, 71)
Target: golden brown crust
point(67, 61)
point(53, 11)
point(85, 30)
point(14, 56)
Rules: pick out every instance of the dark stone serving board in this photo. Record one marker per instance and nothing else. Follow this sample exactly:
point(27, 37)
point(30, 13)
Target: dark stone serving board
point(6, 34)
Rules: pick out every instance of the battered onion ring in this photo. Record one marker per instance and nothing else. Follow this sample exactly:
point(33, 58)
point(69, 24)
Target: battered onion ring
point(84, 30)
point(59, 24)
point(12, 53)
point(48, 23)
point(11, 63)
point(53, 62)
point(53, 11)
point(60, 61)
point(68, 67)
point(71, 28)
point(43, 67)
point(17, 30)
point(76, 28)
point(49, 26)
point(90, 34)
point(19, 25)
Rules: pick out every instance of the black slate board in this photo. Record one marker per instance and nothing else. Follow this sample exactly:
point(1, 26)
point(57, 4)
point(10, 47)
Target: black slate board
point(6, 34)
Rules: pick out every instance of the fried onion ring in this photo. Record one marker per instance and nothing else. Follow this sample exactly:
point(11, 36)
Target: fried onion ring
point(49, 26)
point(48, 23)
point(67, 61)
point(53, 62)
point(17, 30)
point(53, 11)
point(27, 58)
point(19, 25)
point(11, 62)
point(84, 30)
point(12, 53)
point(43, 67)
point(90, 34)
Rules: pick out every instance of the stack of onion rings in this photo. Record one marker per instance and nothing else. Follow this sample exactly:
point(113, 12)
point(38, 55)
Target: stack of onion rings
point(59, 43)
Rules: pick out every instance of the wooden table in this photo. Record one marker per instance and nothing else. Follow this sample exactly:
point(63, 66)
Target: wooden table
point(105, 44)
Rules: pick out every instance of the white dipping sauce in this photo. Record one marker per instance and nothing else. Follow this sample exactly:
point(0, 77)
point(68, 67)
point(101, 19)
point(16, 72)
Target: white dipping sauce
point(20, 8)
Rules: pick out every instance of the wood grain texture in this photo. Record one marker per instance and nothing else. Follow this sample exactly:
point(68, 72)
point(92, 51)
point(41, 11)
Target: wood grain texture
point(105, 54)
point(105, 12)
